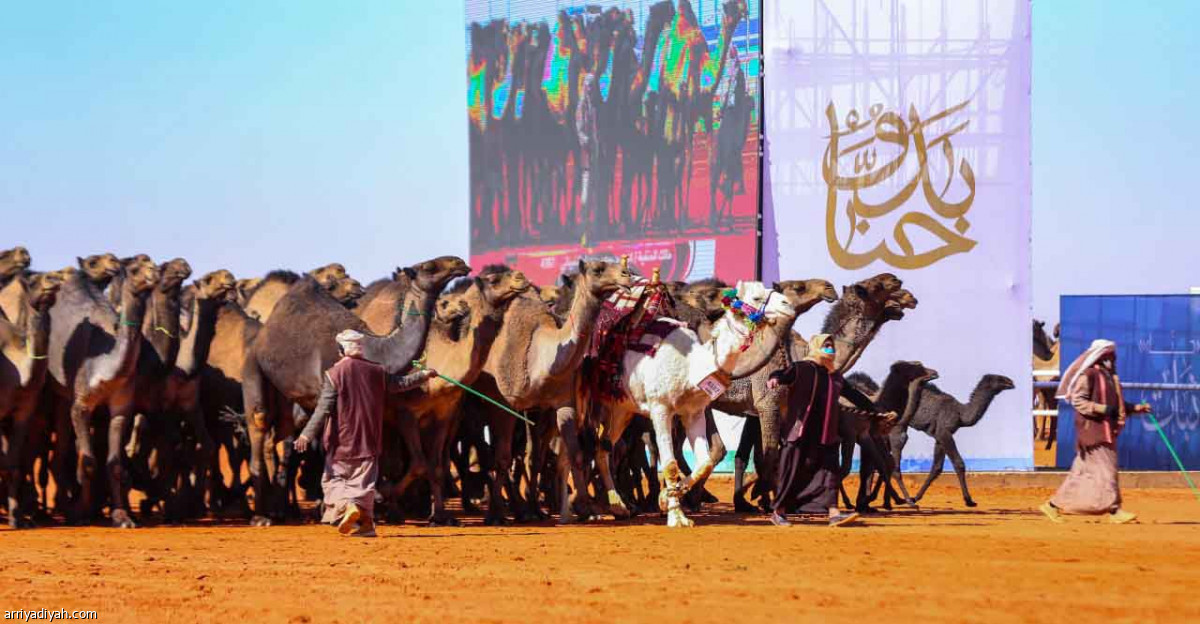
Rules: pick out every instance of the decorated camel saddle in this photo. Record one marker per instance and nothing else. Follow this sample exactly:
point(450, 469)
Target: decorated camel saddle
point(625, 320)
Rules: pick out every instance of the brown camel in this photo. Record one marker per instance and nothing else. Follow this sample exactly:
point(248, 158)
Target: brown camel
point(13, 264)
point(170, 393)
point(258, 296)
point(329, 275)
point(221, 400)
point(1045, 368)
point(94, 352)
point(23, 364)
point(297, 343)
point(534, 367)
point(458, 350)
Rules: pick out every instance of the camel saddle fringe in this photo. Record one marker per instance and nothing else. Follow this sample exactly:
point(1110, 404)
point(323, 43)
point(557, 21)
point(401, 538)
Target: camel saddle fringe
point(625, 318)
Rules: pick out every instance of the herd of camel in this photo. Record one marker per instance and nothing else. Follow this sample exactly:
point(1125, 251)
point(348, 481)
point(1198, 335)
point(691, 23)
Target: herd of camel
point(119, 374)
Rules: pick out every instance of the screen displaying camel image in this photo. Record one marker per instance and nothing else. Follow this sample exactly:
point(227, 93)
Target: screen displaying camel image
point(614, 128)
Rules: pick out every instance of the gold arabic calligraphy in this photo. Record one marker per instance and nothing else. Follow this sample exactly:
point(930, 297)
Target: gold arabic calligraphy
point(897, 136)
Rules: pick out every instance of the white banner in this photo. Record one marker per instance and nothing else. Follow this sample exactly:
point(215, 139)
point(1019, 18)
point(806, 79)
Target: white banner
point(898, 140)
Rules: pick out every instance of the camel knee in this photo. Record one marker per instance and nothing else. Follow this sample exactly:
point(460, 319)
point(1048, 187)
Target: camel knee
point(87, 468)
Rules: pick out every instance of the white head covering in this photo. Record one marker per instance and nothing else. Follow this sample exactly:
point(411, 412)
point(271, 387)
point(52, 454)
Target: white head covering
point(351, 342)
point(1096, 352)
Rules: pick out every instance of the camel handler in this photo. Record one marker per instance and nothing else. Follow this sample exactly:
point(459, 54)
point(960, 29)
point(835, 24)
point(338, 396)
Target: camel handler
point(353, 391)
point(1092, 387)
point(809, 466)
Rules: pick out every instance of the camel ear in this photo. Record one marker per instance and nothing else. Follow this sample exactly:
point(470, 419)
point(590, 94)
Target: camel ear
point(567, 280)
point(860, 290)
point(581, 266)
point(776, 287)
point(410, 272)
point(79, 261)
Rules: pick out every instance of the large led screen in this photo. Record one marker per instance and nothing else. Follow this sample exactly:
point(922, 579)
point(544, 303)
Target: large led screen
point(614, 128)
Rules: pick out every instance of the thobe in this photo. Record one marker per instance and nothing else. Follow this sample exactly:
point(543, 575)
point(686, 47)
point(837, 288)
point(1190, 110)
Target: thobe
point(1092, 487)
point(350, 415)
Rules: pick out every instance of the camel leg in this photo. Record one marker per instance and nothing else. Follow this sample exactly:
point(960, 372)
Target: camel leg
point(501, 431)
point(418, 465)
point(960, 468)
point(62, 464)
point(119, 424)
point(935, 469)
point(195, 420)
point(14, 464)
point(570, 460)
point(707, 446)
point(437, 477)
point(535, 456)
point(81, 418)
point(676, 483)
point(617, 424)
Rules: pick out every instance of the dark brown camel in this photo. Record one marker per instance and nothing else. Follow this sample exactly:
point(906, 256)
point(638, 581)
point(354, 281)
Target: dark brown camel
point(297, 344)
point(94, 351)
point(900, 394)
point(13, 264)
point(939, 415)
point(23, 364)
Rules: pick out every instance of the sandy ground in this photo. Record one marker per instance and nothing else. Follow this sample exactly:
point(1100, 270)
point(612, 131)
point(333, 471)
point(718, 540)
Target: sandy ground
point(944, 563)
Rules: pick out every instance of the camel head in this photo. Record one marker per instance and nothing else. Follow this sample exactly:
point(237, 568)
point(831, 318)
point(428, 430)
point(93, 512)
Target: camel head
point(758, 296)
point(432, 276)
point(499, 285)
point(43, 289)
point(141, 277)
point(1042, 344)
point(705, 295)
point(100, 268)
point(347, 290)
point(550, 295)
point(329, 275)
point(804, 294)
point(897, 303)
point(216, 285)
point(452, 310)
point(245, 287)
point(996, 383)
point(173, 274)
point(13, 262)
point(601, 279)
point(910, 371)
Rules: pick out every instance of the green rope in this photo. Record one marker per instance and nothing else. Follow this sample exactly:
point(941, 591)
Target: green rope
point(475, 392)
point(126, 323)
point(1170, 448)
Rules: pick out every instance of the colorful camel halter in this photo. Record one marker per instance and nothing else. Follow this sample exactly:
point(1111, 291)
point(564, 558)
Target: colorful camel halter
point(751, 317)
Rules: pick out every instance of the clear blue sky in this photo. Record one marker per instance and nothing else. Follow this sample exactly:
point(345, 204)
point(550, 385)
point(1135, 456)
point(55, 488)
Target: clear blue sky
point(253, 135)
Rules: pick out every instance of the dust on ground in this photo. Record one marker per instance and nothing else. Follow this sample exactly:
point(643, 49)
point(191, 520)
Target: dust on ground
point(944, 563)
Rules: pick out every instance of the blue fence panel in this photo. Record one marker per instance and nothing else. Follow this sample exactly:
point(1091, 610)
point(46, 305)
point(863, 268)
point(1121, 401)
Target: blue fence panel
point(1158, 341)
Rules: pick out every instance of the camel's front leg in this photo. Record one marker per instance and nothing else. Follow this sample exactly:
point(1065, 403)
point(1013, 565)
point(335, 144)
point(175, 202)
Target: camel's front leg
point(676, 482)
point(707, 457)
point(612, 434)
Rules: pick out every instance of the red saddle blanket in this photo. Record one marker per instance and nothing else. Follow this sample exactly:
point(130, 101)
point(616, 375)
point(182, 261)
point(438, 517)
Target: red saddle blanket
point(625, 318)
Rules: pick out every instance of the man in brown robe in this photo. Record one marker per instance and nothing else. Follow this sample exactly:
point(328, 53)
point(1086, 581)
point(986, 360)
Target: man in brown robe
point(809, 468)
point(1092, 386)
point(350, 415)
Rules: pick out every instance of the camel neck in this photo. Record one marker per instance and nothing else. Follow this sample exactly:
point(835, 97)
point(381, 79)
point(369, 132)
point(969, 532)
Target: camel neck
point(728, 337)
point(407, 341)
point(161, 327)
point(977, 406)
point(194, 346)
point(575, 333)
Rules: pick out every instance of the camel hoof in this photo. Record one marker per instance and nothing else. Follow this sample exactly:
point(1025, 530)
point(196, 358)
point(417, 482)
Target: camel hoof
point(260, 521)
point(741, 506)
point(499, 521)
point(121, 520)
point(16, 522)
point(447, 521)
point(971, 503)
point(471, 508)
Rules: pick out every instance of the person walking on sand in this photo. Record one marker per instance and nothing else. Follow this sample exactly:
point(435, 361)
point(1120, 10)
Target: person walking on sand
point(349, 416)
point(1092, 386)
point(809, 471)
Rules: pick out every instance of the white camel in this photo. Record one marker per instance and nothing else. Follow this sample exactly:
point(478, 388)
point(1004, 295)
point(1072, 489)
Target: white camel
point(682, 376)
